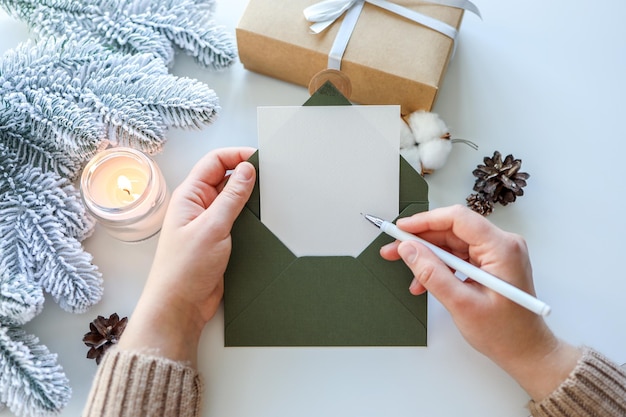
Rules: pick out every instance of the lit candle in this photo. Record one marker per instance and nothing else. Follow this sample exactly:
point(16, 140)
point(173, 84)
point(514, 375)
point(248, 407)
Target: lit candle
point(126, 192)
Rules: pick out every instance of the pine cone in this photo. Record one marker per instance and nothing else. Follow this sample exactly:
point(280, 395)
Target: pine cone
point(500, 181)
point(479, 204)
point(104, 334)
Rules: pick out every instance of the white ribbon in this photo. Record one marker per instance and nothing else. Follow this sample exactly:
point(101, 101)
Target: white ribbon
point(325, 13)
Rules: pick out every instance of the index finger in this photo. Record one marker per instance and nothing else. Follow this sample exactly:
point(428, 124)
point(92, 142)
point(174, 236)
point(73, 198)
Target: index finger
point(213, 166)
point(456, 227)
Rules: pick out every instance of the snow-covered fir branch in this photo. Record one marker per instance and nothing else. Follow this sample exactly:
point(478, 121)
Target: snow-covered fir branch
point(42, 219)
point(65, 99)
point(97, 76)
point(20, 298)
point(134, 26)
point(32, 384)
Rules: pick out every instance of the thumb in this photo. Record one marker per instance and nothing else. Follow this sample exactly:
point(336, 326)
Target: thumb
point(231, 200)
point(431, 274)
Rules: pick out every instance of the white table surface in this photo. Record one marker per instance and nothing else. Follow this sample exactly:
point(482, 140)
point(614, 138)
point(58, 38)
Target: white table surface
point(543, 80)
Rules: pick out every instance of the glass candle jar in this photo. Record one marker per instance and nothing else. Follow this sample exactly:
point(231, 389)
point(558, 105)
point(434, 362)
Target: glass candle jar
point(125, 191)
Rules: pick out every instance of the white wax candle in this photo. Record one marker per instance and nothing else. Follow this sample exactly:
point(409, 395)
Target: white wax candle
point(118, 182)
point(126, 192)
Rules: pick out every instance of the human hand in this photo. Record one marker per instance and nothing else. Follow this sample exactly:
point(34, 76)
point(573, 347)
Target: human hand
point(186, 282)
point(516, 339)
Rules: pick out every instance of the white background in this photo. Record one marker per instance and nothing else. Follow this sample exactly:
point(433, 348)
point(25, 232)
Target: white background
point(543, 80)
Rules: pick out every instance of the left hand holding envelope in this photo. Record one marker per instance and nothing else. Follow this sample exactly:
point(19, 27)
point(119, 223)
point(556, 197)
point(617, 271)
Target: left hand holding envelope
point(186, 282)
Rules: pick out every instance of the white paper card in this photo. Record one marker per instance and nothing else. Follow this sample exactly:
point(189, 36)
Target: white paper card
point(320, 167)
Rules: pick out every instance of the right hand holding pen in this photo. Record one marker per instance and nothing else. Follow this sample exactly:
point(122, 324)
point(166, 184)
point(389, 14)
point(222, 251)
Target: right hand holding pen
point(517, 340)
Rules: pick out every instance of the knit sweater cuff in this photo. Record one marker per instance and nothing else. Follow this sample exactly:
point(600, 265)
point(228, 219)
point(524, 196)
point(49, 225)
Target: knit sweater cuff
point(137, 384)
point(596, 387)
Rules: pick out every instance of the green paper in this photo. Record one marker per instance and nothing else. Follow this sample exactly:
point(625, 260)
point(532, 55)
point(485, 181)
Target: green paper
point(273, 298)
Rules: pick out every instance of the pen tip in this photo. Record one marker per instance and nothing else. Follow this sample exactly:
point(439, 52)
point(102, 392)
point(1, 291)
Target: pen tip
point(374, 220)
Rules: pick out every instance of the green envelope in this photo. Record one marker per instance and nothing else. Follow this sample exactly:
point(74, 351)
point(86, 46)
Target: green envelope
point(274, 298)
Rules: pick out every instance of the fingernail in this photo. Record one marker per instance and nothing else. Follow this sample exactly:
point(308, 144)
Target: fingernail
point(401, 220)
point(408, 253)
point(414, 284)
point(388, 245)
point(243, 172)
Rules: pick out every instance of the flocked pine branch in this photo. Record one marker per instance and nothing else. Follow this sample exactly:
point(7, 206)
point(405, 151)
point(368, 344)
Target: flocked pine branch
point(97, 76)
point(63, 100)
point(31, 382)
point(35, 151)
point(42, 219)
point(134, 26)
point(20, 298)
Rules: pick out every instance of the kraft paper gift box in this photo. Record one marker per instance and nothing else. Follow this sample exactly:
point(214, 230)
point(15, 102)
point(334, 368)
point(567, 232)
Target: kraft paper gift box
point(389, 59)
point(275, 298)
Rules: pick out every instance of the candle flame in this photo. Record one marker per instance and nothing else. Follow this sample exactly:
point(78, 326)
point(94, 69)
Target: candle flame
point(124, 184)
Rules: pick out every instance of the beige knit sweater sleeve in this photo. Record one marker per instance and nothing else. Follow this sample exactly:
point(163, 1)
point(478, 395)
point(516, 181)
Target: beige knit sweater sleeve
point(596, 387)
point(138, 384)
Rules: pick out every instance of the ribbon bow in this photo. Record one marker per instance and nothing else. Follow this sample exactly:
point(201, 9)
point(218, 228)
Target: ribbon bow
point(325, 13)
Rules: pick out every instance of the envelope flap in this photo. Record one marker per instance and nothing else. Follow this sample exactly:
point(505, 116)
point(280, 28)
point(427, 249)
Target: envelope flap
point(257, 258)
point(327, 95)
point(413, 187)
point(396, 276)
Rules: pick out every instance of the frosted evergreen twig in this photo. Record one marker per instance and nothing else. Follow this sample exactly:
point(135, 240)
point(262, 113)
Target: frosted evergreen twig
point(32, 384)
point(134, 26)
point(63, 100)
point(20, 298)
point(42, 219)
point(98, 75)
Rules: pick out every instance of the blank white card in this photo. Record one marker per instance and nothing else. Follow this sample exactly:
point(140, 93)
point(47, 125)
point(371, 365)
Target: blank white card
point(320, 167)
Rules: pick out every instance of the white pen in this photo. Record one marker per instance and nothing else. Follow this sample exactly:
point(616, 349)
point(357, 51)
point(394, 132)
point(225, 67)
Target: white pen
point(496, 284)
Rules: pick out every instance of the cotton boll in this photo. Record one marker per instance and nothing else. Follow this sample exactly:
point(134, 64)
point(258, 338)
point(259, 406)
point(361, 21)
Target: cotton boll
point(434, 154)
point(411, 155)
point(407, 139)
point(426, 126)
